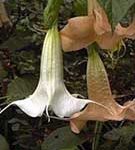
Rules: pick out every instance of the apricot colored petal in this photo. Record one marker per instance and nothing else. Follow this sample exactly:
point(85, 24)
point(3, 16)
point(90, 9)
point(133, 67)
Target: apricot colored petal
point(91, 112)
point(111, 40)
point(130, 114)
point(108, 40)
point(97, 81)
point(99, 90)
point(76, 125)
point(99, 113)
point(126, 32)
point(101, 24)
point(78, 33)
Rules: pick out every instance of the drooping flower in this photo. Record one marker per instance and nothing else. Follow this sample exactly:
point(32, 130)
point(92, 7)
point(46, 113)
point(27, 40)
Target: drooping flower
point(82, 31)
point(51, 92)
point(99, 90)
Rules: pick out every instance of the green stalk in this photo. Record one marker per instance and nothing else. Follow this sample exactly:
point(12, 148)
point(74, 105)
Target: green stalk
point(51, 12)
point(96, 139)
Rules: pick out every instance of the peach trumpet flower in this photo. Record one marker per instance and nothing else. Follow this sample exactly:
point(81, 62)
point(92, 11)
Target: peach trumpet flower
point(82, 31)
point(99, 90)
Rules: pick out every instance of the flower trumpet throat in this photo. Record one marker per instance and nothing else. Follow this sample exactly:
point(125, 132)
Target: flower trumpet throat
point(51, 92)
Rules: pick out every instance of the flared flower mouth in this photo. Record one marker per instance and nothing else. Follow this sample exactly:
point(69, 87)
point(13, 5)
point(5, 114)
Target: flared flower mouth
point(82, 31)
point(99, 90)
point(51, 92)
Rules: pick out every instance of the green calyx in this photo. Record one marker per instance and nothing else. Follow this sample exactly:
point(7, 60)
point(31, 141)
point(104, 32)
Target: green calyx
point(51, 13)
point(92, 50)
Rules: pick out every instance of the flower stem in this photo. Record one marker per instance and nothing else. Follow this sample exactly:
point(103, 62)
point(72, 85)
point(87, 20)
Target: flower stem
point(90, 6)
point(51, 12)
point(96, 139)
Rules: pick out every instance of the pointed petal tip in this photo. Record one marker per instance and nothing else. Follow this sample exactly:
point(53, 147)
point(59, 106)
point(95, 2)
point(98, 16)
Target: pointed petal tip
point(4, 109)
point(74, 128)
point(27, 106)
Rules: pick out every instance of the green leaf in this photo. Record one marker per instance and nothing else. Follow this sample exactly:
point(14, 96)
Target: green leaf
point(20, 88)
point(80, 7)
point(3, 72)
point(17, 40)
point(3, 143)
point(62, 139)
point(126, 133)
point(116, 9)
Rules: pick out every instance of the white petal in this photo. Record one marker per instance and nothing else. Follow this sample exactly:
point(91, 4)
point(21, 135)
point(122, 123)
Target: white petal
point(64, 104)
point(34, 105)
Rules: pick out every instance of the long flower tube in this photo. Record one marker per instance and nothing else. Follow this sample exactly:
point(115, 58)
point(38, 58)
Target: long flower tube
point(51, 92)
point(99, 90)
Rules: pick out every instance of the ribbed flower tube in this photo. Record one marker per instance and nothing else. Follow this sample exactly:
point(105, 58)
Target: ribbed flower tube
point(51, 92)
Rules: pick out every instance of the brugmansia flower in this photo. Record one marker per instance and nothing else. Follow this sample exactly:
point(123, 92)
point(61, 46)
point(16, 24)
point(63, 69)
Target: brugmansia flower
point(51, 92)
point(99, 90)
point(84, 30)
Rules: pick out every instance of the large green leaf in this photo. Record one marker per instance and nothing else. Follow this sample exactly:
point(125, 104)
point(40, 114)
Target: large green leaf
point(116, 9)
point(17, 40)
point(3, 143)
point(125, 132)
point(21, 87)
point(3, 72)
point(121, 138)
point(63, 139)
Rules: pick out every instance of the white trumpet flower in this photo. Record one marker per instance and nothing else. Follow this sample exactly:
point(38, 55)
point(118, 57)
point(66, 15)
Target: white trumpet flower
point(51, 92)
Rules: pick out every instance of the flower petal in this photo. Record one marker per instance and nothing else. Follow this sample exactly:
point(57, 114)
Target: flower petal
point(126, 32)
point(34, 105)
point(99, 90)
point(51, 91)
point(101, 23)
point(108, 41)
point(97, 81)
point(78, 33)
point(65, 105)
